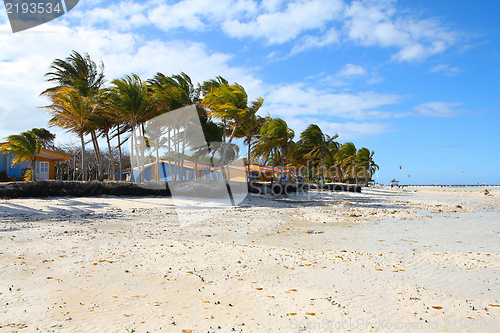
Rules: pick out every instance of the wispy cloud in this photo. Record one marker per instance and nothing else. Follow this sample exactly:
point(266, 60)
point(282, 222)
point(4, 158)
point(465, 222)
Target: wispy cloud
point(352, 70)
point(438, 109)
point(297, 100)
point(348, 131)
point(440, 146)
point(445, 69)
point(380, 24)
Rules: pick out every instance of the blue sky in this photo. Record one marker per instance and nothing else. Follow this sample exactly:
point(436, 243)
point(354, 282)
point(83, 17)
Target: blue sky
point(418, 82)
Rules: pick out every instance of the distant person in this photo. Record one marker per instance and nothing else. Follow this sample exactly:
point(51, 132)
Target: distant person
point(486, 192)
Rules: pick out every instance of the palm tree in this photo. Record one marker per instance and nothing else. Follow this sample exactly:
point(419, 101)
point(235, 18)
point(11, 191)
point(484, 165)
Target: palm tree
point(346, 159)
point(81, 73)
point(71, 111)
point(248, 130)
point(174, 92)
point(229, 103)
point(24, 147)
point(131, 101)
point(315, 146)
point(364, 160)
point(275, 139)
point(76, 71)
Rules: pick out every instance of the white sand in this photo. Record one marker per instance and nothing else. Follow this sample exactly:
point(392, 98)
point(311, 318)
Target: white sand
point(376, 261)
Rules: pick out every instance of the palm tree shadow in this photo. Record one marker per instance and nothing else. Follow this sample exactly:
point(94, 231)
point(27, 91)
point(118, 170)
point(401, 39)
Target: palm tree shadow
point(58, 210)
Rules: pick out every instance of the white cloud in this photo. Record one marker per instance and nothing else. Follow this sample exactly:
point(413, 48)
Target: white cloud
point(352, 70)
point(283, 26)
point(308, 24)
point(295, 100)
point(437, 109)
point(348, 131)
point(311, 42)
point(445, 69)
point(376, 24)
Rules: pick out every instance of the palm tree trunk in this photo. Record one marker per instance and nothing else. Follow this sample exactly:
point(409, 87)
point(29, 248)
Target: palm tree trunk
point(183, 151)
point(170, 155)
point(119, 153)
point(84, 171)
point(323, 170)
point(226, 147)
point(132, 138)
point(157, 159)
point(98, 155)
point(111, 160)
point(33, 169)
point(282, 165)
point(249, 178)
point(272, 177)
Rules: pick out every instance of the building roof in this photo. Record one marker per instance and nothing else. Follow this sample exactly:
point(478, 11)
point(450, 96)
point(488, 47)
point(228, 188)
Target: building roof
point(49, 154)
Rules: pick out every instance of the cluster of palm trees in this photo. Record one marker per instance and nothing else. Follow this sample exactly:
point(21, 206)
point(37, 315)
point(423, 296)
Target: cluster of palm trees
point(316, 156)
point(82, 105)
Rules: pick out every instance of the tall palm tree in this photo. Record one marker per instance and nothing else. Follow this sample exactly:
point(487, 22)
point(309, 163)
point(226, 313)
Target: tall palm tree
point(275, 139)
point(248, 130)
point(131, 101)
point(81, 73)
point(229, 103)
point(364, 160)
point(71, 111)
point(346, 159)
point(315, 146)
point(76, 71)
point(174, 92)
point(24, 147)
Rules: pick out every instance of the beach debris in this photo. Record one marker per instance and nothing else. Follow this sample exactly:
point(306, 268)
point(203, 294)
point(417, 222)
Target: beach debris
point(314, 232)
point(494, 305)
point(437, 307)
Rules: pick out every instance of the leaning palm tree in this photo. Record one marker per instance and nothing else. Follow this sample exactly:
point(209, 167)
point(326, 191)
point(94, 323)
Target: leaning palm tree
point(81, 73)
point(76, 71)
point(346, 159)
point(24, 147)
point(171, 93)
point(71, 111)
point(316, 146)
point(275, 139)
point(229, 103)
point(132, 103)
point(364, 160)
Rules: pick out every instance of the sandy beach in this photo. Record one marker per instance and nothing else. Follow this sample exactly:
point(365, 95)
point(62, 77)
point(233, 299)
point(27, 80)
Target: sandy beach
point(422, 259)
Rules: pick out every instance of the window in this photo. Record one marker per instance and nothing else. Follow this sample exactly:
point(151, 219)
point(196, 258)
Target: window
point(43, 167)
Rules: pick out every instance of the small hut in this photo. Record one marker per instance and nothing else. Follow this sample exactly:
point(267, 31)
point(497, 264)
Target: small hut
point(394, 182)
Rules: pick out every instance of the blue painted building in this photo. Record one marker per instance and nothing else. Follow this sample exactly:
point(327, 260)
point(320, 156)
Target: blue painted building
point(45, 165)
